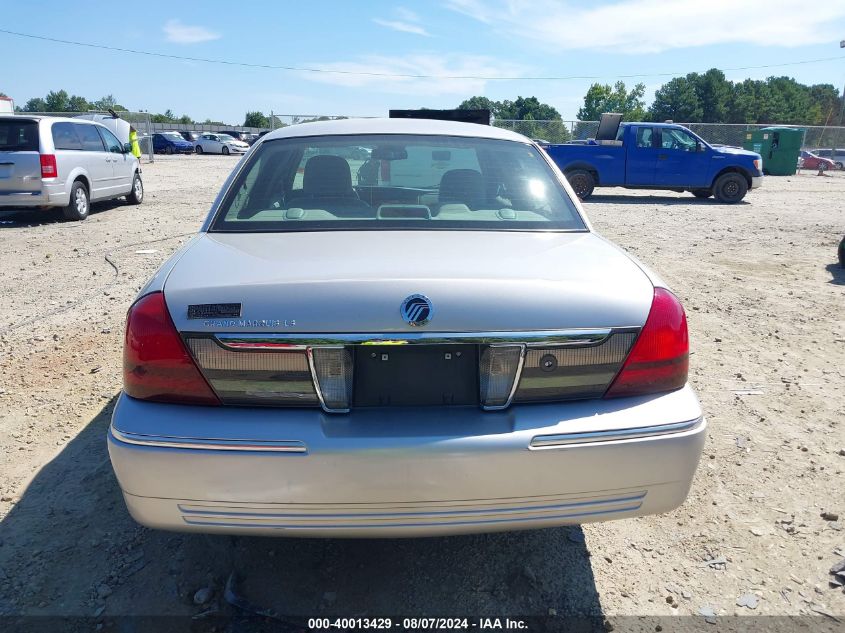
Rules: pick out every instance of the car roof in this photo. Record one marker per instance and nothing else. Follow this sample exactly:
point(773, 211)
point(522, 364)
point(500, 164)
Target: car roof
point(394, 126)
point(51, 119)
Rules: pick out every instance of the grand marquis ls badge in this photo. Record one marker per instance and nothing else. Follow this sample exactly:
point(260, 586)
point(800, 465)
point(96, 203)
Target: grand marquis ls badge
point(417, 310)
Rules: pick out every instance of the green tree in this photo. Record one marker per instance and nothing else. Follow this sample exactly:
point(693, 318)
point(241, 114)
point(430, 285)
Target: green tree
point(479, 103)
point(676, 100)
point(57, 101)
point(78, 104)
point(601, 98)
point(35, 105)
point(256, 119)
point(714, 92)
point(522, 107)
point(185, 119)
point(826, 98)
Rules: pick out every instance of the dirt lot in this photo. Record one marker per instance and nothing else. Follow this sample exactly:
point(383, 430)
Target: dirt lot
point(765, 305)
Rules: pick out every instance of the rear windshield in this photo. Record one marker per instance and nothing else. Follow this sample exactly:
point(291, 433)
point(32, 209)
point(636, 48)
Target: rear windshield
point(18, 136)
point(396, 182)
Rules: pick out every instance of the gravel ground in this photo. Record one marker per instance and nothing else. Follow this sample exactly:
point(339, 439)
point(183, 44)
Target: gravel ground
point(764, 301)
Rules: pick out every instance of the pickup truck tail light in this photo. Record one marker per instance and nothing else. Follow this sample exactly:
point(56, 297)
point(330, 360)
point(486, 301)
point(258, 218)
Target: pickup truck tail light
point(659, 360)
point(156, 364)
point(48, 166)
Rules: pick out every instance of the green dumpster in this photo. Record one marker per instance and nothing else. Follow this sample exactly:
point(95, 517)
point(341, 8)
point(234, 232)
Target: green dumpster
point(779, 147)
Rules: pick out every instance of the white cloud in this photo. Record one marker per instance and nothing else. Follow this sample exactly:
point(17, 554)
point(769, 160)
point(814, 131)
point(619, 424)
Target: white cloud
point(405, 14)
point(404, 27)
point(452, 74)
point(653, 26)
point(406, 22)
point(187, 34)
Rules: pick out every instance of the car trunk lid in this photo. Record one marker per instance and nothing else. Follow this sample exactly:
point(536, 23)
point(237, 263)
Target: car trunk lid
point(356, 281)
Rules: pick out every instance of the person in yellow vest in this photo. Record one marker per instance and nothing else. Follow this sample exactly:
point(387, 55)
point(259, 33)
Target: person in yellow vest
point(133, 141)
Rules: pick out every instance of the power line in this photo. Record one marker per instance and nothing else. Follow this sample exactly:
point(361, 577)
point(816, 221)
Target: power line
point(302, 69)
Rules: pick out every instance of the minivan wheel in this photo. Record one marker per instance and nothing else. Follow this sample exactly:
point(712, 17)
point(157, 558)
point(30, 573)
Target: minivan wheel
point(702, 193)
point(730, 188)
point(168, 150)
point(840, 165)
point(136, 196)
point(225, 151)
point(79, 205)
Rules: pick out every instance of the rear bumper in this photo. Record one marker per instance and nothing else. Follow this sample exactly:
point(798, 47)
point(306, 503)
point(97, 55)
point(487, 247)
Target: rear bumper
point(409, 472)
point(50, 195)
point(756, 181)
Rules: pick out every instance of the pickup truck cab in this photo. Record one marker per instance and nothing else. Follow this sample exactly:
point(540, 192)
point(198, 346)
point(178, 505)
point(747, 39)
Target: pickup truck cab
point(659, 156)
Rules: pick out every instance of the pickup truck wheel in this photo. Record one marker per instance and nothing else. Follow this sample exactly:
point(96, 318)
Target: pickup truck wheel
point(79, 205)
point(702, 193)
point(730, 188)
point(582, 182)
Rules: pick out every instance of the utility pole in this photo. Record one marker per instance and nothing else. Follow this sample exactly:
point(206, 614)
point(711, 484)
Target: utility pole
point(841, 112)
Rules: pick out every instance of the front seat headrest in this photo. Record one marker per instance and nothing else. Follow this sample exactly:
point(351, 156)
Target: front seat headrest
point(327, 176)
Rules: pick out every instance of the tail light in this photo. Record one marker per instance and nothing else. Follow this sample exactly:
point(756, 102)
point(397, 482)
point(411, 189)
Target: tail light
point(659, 360)
point(332, 368)
point(499, 366)
point(48, 166)
point(156, 364)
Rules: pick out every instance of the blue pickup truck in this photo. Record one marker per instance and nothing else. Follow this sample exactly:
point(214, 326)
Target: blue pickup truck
point(657, 156)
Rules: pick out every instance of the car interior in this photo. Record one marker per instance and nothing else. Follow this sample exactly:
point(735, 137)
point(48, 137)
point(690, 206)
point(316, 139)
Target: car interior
point(302, 182)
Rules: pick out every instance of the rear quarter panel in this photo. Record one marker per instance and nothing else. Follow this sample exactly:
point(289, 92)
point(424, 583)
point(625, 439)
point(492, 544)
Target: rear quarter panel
point(608, 161)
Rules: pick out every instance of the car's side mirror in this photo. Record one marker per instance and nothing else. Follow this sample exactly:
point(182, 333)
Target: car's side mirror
point(699, 146)
point(127, 148)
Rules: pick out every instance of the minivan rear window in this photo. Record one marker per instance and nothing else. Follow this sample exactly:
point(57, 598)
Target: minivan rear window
point(18, 136)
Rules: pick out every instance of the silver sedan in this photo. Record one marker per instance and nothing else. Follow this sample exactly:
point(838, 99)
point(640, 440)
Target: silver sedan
point(219, 144)
point(429, 339)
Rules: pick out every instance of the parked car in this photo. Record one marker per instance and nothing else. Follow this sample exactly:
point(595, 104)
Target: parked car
point(237, 135)
point(836, 155)
point(659, 156)
point(809, 160)
point(65, 163)
point(303, 368)
point(218, 143)
point(251, 138)
point(191, 137)
point(171, 143)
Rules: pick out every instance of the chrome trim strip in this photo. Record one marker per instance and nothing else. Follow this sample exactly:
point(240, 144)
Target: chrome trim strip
point(309, 351)
point(593, 437)
point(301, 341)
point(388, 525)
point(194, 509)
point(516, 377)
point(208, 444)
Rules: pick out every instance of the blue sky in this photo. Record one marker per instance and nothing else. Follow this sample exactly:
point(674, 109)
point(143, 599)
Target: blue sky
point(519, 39)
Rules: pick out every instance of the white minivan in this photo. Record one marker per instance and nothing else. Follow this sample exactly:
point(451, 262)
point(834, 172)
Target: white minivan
point(68, 163)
